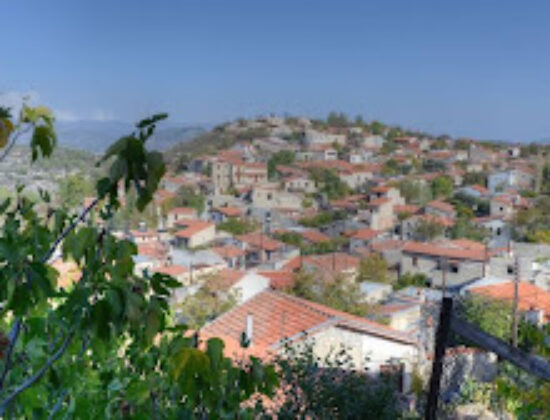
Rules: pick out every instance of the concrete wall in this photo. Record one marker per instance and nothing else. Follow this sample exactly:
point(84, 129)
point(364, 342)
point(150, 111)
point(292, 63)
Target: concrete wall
point(221, 176)
point(467, 270)
point(501, 210)
point(301, 185)
point(366, 351)
point(249, 286)
point(203, 237)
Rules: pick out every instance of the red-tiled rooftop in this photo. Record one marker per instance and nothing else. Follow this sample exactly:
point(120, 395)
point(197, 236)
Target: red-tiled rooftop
point(229, 211)
point(447, 249)
point(381, 189)
point(406, 208)
point(441, 206)
point(172, 270)
point(387, 245)
point(228, 251)
point(365, 234)
point(530, 297)
point(314, 236)
point(280, 280)
point(480, 189)
point(432, 218)
point(378, 202)
point(229, 277)
point(192, 227)
point(277, 316)
point(259, 240)
point(334, 262)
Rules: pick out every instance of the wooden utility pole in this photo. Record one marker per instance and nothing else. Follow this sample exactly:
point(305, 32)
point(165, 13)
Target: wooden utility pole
point(443, 263)
point(515, 314)
point(437, 365)
point(532, 364)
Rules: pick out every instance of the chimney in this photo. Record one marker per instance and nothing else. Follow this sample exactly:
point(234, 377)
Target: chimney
point(249, 327)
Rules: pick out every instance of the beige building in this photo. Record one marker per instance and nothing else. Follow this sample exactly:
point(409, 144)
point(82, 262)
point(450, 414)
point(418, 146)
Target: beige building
point(300, 183)
point(272, 320)
point(271, 196)
point(179, 214)
point(195, 233)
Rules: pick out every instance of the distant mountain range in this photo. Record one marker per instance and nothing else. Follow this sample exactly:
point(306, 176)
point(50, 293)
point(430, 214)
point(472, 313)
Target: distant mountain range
point(96, 136)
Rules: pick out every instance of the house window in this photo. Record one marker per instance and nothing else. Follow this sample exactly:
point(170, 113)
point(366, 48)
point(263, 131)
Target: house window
point(454, 268)
point(510, 269)
point(269, 196)
point(499, 231)
point(501, 208)
point(415, 261)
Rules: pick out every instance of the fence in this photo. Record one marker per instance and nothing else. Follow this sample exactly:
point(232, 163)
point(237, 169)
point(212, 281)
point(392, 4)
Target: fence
point(455, 319)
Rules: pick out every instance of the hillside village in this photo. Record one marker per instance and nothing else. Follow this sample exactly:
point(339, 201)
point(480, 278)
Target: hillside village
point(346, 233)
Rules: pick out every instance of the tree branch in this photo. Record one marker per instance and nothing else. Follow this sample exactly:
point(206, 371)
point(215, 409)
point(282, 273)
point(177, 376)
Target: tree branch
point(31, 380)
point(14, 334)
point(69, 229)
point(7, 150)
point(58, 404)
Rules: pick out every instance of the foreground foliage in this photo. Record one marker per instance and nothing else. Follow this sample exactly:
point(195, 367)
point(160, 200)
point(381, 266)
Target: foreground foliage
point(103, 347)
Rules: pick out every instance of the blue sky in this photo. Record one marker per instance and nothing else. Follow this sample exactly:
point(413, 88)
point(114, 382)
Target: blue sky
point(468, 68)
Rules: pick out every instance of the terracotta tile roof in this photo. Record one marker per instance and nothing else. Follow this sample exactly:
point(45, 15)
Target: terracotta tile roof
point(277, 316)
point(279, 280)
point(335, 262)
point(155, 250)
point(230, 156)
point(480, 189)
point(254, 165)
point(192, 227)
point(228, 251)
point(406, 208)
point(447, 249)
point(441, 206)
point(229, 211)
point(381, 189)
point(173, 270)
point(440, 154)
point(530, 297)
point(294, 264)
point(378, 202)
point(387, 245)
point(365, 234)
point(314, 236)
point(504, 199)
point(469, 244)
point(351, 201)
point(257, 240)
point(229, 277)
point(443, 221)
